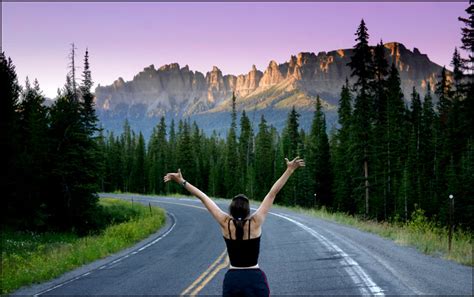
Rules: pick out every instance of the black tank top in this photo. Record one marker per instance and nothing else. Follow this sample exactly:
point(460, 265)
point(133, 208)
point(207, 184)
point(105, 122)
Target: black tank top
point(243, 253)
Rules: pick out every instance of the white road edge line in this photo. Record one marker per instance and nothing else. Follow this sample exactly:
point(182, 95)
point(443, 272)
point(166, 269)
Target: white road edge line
point(175, 220)
point(357, 274)
point(384, 264)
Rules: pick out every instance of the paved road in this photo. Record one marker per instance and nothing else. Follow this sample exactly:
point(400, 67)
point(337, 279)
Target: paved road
point(301, 255)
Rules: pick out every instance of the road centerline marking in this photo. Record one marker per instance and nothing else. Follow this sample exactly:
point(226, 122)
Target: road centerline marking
point(211, 275)
point(209, 271)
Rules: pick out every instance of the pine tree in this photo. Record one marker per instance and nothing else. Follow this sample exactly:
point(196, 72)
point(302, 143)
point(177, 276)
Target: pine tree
point(88, 111)
point(319, 160)
point(444, 92)
point(157, 158)
point(264, 160)
point(380, 188)
point(468, 68)
point(361, 65)
point(396, 141)
point(468, 39)
point(172, 157)
point(216, 166)
point(9, 125)
point(127, 141)
point(412, 169)
point(34, 156)
point(427, 155)
point(72, 199)
point(231, 157)
point(138, 176)
point(445, 141)
point(290, 141)
point(246, 155)
point(361, 62)
point(342, 173)
point(198, 153)
point(185, 153)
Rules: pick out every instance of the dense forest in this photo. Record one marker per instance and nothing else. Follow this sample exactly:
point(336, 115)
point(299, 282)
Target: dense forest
point(51, 154)
point(385, 159)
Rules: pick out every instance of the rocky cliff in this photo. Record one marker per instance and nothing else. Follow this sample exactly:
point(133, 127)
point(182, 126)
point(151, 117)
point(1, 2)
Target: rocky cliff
point(176, 90)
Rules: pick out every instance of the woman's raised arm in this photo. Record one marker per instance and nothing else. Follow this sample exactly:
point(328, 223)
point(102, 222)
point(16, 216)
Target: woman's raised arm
point(267, 202)
point(211, 206)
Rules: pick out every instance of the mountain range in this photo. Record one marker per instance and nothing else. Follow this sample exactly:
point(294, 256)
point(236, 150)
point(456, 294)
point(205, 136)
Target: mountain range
point(175, 92)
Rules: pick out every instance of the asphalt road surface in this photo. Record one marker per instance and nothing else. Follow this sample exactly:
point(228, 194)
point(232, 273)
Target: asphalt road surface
point(300, 255)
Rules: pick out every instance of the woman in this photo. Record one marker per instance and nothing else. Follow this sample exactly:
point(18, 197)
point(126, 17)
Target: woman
point(242, 233)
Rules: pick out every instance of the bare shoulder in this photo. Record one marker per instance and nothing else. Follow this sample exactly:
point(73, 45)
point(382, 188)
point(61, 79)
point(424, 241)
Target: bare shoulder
point(225, 225)
point(256, 226)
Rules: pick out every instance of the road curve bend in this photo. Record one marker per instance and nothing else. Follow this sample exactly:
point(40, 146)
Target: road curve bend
point(300, 255)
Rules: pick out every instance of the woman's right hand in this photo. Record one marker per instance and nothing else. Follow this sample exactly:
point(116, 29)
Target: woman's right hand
point(177, 177)
point(295, 163)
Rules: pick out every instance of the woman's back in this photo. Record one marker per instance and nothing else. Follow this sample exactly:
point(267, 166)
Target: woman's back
point(244, 251)
point(250, 226)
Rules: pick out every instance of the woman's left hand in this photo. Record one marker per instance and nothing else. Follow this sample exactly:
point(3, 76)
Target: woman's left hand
point(177, 177)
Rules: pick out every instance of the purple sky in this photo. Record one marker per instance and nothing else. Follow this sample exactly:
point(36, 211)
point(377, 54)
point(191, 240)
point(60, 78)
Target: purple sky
point(123, 38)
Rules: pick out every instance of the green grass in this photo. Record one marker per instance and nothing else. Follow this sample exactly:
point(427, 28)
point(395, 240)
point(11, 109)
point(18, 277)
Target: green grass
point(419, 233)
point(29, 258)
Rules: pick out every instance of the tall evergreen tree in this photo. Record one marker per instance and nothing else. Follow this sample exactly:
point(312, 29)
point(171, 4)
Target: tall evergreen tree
point(290, 141)
point(427, 155)
point(361, 65)
point(158, 158)
point(9, 125)
point(412, 169)
point(342, 159)
point(73, 184)
point(172, 157)
point(264, 160)
point(34, 155)
point(318, 159)
point(397, 127)
point(138, 177)
point(127, 140)
point(231, 157)
point(246, 155)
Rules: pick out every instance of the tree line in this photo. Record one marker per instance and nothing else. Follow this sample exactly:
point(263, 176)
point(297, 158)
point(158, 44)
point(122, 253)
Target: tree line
point(384, 160)
point(51, 154)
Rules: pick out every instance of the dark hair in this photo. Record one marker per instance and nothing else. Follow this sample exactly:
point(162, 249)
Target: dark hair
point(239, 209)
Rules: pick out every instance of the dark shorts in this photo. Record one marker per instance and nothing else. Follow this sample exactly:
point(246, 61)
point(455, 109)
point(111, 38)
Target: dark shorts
point(245, 282)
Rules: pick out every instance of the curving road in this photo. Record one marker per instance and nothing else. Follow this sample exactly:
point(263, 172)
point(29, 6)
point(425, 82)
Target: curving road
point(301, 255)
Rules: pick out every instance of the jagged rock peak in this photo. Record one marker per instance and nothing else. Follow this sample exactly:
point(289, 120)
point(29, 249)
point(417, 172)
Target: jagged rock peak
point(167, 67)
point(150, 68)
point(307, 58)
point(119, 81)
point(254, 68)
point(272, 64)
point(215, 69)
point(395, 48)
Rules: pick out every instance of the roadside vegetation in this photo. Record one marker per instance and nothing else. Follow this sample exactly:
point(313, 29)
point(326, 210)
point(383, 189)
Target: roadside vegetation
point(426, 236)
point(29, 257)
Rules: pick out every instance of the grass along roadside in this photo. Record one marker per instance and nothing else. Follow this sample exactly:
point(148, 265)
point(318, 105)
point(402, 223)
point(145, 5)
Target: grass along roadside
point(419, 232)
point(29, 258)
